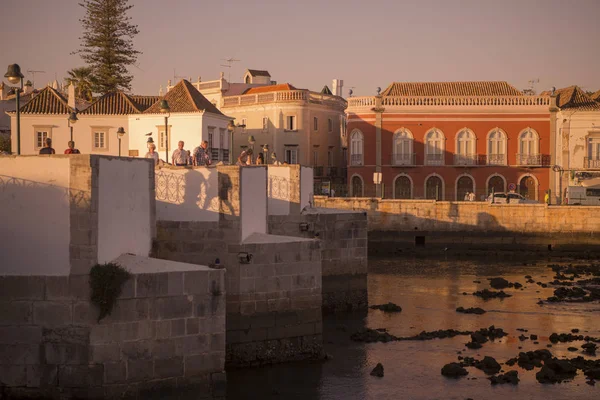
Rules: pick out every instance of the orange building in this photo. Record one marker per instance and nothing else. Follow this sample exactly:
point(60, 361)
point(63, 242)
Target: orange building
point(446, 139)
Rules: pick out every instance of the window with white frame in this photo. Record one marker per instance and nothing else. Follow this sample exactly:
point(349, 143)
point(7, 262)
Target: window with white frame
point(434, 147)
point(528, 142)
point(403, 147)
point(593, 148)
point(329, 125)
point(99, 139)
point(290, 123)
point(291, 155)
point(265, 124)
point(465, 148)
point(315, 123)
point(162, 138)
point(496, 147)
point(40, 137)
point(356, 148)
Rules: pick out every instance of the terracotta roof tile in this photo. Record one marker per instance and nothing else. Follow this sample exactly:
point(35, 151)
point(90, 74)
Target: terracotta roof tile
point(48, 101)
point(574, 98)
point(271, 88)
point(184, 97)
point(326, 90)
point(257, 72)
point(143, 102)
point(113, 103)
point(596, 96)
point(482, 88)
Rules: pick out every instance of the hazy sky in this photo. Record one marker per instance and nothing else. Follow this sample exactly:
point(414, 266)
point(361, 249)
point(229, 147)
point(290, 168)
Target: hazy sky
point(310, 42)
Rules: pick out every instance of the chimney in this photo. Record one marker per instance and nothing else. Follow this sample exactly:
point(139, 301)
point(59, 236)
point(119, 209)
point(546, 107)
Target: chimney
point(71, 97)
point(336, 87)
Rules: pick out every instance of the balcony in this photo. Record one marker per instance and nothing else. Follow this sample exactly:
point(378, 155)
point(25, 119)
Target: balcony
point(466, 160)
point(591, 162)
point(496, 159)
point(404, 159)
point(533, 160)
point(331, 172)
point(434, 159)
point(356, 159)
point(318, 171)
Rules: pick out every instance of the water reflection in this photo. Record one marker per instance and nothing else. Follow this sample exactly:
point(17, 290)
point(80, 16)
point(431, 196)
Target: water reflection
point(429, 291)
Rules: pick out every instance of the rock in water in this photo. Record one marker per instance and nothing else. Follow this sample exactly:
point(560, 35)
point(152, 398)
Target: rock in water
point(378, 370)
point(472, 310)
point(499, 283)
point(454, 370)
point(511, 377)
point(489, 365)
point(389, 307)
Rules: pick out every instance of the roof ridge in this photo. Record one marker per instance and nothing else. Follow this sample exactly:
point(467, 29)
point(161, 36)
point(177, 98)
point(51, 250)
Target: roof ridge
point(60, 97)
point(189, 94)
point(131, 103)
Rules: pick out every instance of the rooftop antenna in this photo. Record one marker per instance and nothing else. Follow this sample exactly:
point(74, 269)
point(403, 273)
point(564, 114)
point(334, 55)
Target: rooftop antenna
point(531, 89)
point(176, 77)
point(33, 72)
point(229, 62)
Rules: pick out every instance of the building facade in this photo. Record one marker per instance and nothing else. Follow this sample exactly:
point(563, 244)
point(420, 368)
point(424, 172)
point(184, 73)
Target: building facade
point(578, 138)
point(445, 140)
point(299, 126)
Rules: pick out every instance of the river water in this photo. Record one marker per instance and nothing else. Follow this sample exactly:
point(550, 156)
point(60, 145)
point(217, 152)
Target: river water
point(429, 291)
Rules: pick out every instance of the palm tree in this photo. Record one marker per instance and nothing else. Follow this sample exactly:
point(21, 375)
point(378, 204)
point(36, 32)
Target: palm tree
point(82, 78)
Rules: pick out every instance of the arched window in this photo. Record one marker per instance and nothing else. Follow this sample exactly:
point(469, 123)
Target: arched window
point(434, 147)
point(357, 186)
point(465, 148)
point(434, 188)
point(402, 187)
point(403, 148)
point(464, 186)
point(356, 148)
point(528, 187)
point(496, 184)
point(496, 147)
point(528, 148)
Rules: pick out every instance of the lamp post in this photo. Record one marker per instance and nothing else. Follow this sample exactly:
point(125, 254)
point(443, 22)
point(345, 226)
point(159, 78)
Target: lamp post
point(251, 142)
point(266, 153)
point(560, 170)
point(72, 120)
point(120, 134)
point(14, 76)
point(164, 108)
point(231, 128)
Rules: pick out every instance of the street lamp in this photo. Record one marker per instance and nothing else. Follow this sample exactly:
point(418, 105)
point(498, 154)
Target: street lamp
point(164, 108)
point(120, 134)
point(14, 76)
point(231, 128)
point(560, 170)
point(251, 141)
point(72, 120)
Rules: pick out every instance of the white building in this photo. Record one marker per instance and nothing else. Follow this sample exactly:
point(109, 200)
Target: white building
point(578, 137)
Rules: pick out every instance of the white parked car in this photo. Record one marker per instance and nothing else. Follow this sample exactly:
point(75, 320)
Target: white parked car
point(511, 198)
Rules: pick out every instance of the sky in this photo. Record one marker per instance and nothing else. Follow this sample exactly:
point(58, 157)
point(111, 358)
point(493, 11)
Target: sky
point(308, 43)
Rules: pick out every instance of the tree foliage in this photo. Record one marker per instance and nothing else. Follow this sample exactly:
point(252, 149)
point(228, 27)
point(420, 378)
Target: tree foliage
point(83, 80)
point(107, 43)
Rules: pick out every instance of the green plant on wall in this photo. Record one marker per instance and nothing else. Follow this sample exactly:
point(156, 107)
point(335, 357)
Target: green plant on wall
point(106, 283)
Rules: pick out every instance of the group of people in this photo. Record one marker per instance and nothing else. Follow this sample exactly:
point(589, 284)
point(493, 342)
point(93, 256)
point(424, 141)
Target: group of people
point(48, 149)
point(469, 196)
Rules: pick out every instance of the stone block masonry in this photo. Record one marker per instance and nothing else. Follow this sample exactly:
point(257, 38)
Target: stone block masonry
point(166, 332)
point(342, 236)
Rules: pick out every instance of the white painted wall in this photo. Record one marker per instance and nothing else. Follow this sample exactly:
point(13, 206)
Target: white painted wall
point(253, 208)
point(34, 216)
point(279, 190)
point(187, 194)
point(306, 186)
point(60, 133)
point(124, 223)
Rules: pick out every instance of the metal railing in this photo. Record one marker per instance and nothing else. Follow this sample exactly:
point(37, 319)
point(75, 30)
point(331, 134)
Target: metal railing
point(533, 159)
point(434, 159)
point(465, 159)
point(592, 163)
point(404, 159)
point(356, 159)
point(496, 159)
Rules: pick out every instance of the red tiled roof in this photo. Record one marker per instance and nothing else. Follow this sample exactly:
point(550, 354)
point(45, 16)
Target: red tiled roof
point(48, 101)
point(143, 102)
point(184, 97)
point(271, 88)
point(482, 88)
point(113, 103)
point(573, 98)
point(257, 72)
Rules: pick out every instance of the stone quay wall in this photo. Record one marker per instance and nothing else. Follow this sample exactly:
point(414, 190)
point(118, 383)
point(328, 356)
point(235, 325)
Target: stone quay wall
point(166, 332)
point(474, 224)
point(343, 238)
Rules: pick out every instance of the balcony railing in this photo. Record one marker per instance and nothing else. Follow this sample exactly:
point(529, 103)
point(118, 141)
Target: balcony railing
point(403, 159)
point(434, 159)
point(593, 162)
point(466, 160)
point(356, 159)
point(496, 159)
point(533, 159)
point(451, 101)
point(283, 97)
